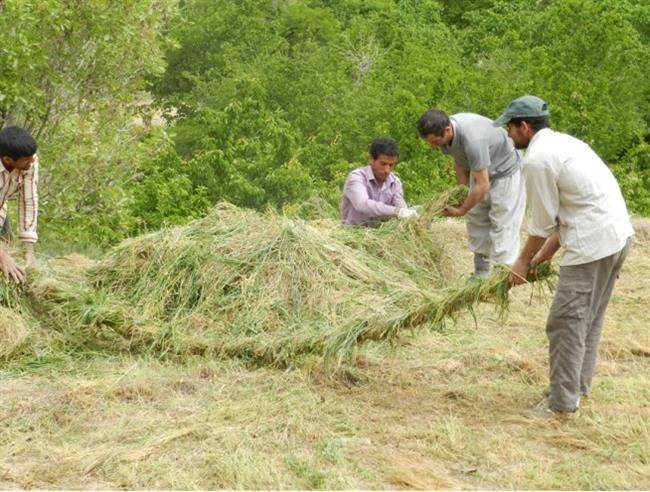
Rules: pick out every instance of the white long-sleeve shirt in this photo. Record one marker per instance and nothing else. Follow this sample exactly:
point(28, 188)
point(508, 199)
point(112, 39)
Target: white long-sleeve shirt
point(572, 191)
point(25, 183)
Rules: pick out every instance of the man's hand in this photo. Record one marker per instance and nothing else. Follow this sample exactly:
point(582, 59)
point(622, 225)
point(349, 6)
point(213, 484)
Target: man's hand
point(518, 272)
point(537, 260)
point(10, 268)
point(406, 213)
point(30, 257)
point(450, 211)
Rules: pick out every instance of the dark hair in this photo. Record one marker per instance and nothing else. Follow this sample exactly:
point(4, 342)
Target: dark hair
point(537, 123)
point(16, 143)
point(433, 122)
point(384, 146)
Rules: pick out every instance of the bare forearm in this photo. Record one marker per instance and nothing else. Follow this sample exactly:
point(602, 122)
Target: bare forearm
point(462, 176)
point(475, 195)
point(530, 249)
point(30, 253)
point(548, 249)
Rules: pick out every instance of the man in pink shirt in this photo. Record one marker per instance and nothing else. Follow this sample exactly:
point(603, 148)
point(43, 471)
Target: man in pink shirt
point(374, 192)
point(19, 175)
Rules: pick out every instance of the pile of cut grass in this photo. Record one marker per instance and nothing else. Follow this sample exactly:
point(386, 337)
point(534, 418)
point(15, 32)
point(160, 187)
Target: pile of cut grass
point(269, 288)
point(262, 287)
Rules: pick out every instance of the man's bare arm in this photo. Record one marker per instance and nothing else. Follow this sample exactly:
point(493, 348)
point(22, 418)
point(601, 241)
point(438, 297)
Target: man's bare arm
point(520, 268)
point(462, 174)
point(30, 254)
point(476, 194)
point(547, 251)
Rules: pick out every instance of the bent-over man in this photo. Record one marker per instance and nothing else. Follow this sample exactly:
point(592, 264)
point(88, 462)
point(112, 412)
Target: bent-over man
point(575, 203)
point(485, 160)
point(19, 175)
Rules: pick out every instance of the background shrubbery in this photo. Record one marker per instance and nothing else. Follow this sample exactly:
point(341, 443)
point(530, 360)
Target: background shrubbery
point(271, 102)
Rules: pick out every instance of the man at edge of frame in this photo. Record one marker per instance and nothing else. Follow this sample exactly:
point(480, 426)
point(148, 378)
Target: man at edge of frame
point(575, 203)
point(19, 175)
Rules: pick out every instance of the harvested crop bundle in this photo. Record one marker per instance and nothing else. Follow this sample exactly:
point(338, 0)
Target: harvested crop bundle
point(259, 286)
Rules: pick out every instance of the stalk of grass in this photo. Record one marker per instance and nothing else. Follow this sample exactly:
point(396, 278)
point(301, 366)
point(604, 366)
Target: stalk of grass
point(434, 207)
point(434, 312)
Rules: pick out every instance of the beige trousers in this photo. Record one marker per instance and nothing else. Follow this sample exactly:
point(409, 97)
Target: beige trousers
point(493, 224)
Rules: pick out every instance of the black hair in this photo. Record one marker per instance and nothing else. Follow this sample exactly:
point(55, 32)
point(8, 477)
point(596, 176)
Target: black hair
point(537, 123)
point(16, 143)
point(433, 122)
point(384, 146)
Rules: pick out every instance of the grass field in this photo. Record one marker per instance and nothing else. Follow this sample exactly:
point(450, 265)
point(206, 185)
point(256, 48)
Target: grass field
point(435, 410)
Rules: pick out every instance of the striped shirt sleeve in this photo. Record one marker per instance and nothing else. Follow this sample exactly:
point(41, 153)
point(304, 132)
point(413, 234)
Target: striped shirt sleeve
point(28, 205)
point(3, 213)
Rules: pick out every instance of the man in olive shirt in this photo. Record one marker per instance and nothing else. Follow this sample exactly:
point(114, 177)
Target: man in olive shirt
point(485, 160)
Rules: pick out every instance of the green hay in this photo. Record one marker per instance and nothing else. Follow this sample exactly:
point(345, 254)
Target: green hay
point(262, 287)
point(436, 312)
point(434, 208)
point(12, 294)
point(263, 280)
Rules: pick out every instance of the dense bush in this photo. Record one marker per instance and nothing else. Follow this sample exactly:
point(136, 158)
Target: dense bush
point(276, 101)
point(73, 73)
point(272, 103)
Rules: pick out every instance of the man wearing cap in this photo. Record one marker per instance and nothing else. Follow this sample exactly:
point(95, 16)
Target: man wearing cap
point(374, 192)
point(485, 160)
point(575, 203)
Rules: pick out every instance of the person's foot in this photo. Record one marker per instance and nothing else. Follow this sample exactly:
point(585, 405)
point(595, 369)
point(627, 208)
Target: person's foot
point(482, 266)
point(541, 410)
point(544, 410)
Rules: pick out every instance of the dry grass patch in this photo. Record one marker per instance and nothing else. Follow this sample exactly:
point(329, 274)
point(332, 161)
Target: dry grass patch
point(435, 410)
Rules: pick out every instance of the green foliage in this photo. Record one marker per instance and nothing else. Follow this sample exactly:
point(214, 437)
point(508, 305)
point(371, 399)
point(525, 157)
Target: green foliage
point(164, 195)
point(272, 103)
point(282, 106)
point(585, 58)
point(74, 74)
point(633, 173)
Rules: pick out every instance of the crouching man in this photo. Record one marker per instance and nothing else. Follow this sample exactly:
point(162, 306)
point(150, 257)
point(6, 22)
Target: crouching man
point(575, 203)
point(19, 175)
point(374, 192)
